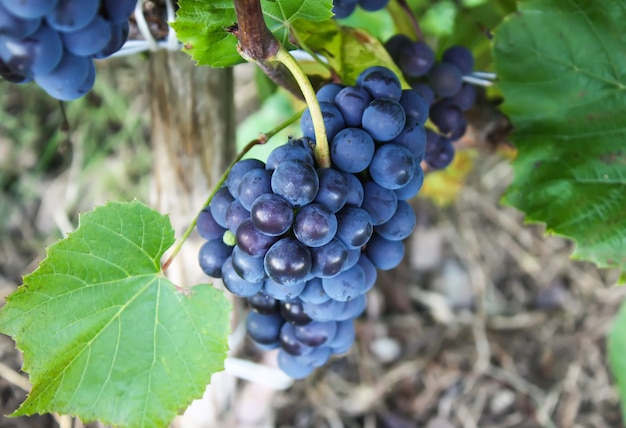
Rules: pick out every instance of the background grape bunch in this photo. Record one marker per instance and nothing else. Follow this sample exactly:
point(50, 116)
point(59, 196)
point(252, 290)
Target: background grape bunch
point(303, 244)
point(443, 86)
point(54, 42)
point(345, 8)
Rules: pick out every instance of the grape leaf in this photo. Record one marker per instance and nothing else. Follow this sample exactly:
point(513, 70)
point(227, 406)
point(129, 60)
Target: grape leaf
point(105, 335)
point(565, 92)
point(349, 51)
point(201, 25)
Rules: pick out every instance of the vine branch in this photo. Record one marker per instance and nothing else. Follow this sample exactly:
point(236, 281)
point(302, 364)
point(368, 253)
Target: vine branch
point(258, 44)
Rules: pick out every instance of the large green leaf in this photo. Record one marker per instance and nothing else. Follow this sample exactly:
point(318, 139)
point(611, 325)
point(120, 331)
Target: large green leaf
point(562, 71)
point(201, 25)
point(105, 335)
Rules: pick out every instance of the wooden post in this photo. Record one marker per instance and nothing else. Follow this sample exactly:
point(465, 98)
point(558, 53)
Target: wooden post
point(193, 140)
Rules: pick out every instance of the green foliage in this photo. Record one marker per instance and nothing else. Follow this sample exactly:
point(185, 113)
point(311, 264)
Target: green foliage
point(349, 50)
point(201, 25)
point(565, 92)
point(105, 335)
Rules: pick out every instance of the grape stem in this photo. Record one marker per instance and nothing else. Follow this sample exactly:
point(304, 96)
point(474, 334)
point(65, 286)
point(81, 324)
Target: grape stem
point(322, 153)
point(416, 26)
point(263, 138)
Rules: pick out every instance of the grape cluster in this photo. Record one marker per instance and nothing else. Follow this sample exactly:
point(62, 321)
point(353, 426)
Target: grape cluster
point(53, 42)
point(344, 8)
point(303, 244)
point(441, 84)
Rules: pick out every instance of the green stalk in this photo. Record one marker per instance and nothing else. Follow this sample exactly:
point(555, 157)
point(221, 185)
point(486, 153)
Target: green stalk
point(263, 138)
point(322, 153)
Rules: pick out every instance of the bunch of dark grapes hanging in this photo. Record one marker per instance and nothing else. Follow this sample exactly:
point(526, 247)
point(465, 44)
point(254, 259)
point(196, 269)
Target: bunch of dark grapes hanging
point(303, 244)
point(445, 85)
point(54, 42)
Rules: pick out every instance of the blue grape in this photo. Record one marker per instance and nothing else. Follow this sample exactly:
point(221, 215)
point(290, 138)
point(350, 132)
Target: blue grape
point(412, 187)
point(13, 26)
point(119, 34)
point(325, 311)
point(236, 284)
point(271, 214)
point(333, 189)
point(329, 259)
point(353, 258)
point(352, 150)
point(253, 184)
point(354, 227)
point(414, 105)
point(13, 76)
point(384, 253)
point(380, 203)
point(288, 262)
point(317, 357)
point(447, 116)
point(461, 57)
point(283, 292)
point(466, 97)
point(373, 5)
point(415, 59)
point(72, 15)
point(327, 93)
point(264, 328)
point(293, 150)
point(413, 137)
point(315, 333)
point(347, 285)
point(237, 172)
point(293, 311)
point(39, 54)
point(355, 189)
point(296, 181)
point(351, 102)
point(207, 227)
point(380, 82)
point(252, 240)
point(247, 267)
point(369, 270)
point(88, 40)
point(392, 166)
point(439, 151)
point(235, 215)
point(290, 343)
point(293, 367)
point(344, 8)
point(344, 337)
point(66, 81)
point(400, 225)
point(118, 10)
point(333, 121)
point(219, 205)
point(315, 225)
point(384, 119)
point(353, 308)
point(445, 79)
point(263, 304)
point(29, 9)
point(314, 292)
point(425, 91)
point(212, 256)
point(395, 44)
